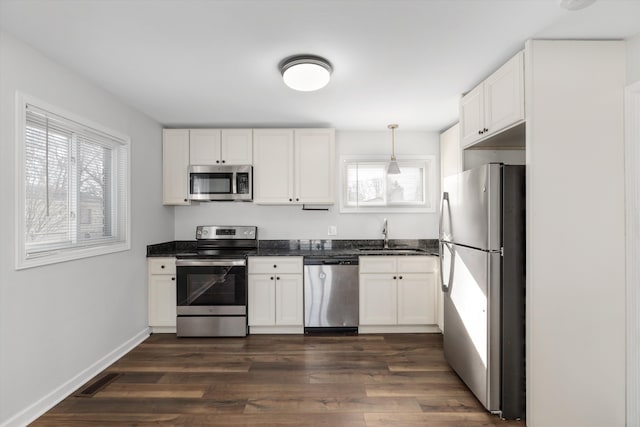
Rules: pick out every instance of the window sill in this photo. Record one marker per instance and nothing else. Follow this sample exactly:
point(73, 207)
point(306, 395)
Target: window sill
point(64, 255)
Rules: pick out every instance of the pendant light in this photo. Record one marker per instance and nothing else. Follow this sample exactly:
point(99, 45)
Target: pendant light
point(306, 73)
point(393, 168)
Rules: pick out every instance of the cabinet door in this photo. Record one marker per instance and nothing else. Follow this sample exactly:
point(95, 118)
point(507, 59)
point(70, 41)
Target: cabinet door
point(162, 300)
point(261, 300)
point(236, 146)
point(204, 146)
point(273, 166)
point(378, 299)
point(289, 300)
point(416, 299)
point(504, 96)
point(450, 152)
point(472, 116)
point(175, 162)
point(314, 166)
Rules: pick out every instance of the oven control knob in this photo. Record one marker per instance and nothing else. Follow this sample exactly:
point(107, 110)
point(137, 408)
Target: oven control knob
point(205, 231)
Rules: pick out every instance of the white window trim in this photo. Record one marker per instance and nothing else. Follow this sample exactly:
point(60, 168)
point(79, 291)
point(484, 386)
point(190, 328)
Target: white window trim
point(56, 256)
point(430, 185)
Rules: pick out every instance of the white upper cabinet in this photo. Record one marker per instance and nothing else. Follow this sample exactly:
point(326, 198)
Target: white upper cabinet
point(204, 146)
point(236, 146)
point(495, 104)
point(314, 166)
point(273, 166)
point(221, 146)
point(294, 166)
point(175, 163)
point(451, 161)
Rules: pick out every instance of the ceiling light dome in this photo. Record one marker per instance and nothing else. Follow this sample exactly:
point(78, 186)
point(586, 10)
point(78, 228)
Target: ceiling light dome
point(306, 73)
point(575, 4)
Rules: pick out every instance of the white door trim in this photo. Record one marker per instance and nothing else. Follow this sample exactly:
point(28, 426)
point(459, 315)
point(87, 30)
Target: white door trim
point(632, 180)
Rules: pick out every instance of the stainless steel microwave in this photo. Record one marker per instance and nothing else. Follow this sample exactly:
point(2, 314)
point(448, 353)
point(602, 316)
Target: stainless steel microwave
point(228, 182)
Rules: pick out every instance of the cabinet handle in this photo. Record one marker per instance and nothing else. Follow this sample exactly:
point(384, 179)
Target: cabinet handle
point(486, 130)
point(480, 132)
point(186, 200)
point(291, 200)
point(400, 277)
point(162, 266)
point(277, 278)
point(297, 199)
point(275, 266)
point(173, 278)
point(394, 277)
point(271, 277)
point(217, 161)
point(224, 161)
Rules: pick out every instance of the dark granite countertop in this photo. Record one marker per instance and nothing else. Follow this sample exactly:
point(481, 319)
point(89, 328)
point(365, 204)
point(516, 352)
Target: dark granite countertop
point(332, 248)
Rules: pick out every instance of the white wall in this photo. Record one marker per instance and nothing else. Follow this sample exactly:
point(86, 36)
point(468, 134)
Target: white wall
point(575, 234)
point(291, 222)
point(58, 321)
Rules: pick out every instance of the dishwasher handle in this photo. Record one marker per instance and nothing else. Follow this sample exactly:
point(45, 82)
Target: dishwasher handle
point(330, 261)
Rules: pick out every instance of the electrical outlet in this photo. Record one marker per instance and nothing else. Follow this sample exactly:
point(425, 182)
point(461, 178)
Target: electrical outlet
point(332, 231)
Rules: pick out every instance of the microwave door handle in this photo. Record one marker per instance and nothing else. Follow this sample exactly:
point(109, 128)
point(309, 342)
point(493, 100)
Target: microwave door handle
point(234, 183)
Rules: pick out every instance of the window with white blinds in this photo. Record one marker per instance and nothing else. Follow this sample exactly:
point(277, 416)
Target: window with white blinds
point(75, 180)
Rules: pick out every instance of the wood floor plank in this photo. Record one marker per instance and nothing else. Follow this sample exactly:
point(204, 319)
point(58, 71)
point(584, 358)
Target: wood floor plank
point(154, 391)
point(433, 419)
point(285, 391)
point(332, 404)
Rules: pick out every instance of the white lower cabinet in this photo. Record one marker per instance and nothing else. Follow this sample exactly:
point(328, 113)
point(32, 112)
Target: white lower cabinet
point(162, 294)
point(398, 294)
point(275, 295)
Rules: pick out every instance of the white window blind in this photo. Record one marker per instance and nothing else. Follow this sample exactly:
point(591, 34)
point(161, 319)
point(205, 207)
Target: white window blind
point(75, 185)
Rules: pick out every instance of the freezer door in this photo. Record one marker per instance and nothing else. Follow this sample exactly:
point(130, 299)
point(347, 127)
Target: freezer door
point(470, 213)
point(471, 322)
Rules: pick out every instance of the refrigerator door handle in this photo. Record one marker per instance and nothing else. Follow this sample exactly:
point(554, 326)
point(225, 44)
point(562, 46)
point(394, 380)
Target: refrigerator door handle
point(445, 285)
point(445, 198)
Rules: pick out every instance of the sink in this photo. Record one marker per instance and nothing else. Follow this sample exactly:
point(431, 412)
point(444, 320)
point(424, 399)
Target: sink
point(391, 250)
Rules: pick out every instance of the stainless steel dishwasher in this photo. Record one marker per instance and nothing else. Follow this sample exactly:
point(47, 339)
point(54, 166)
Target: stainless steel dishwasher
point(331, 294)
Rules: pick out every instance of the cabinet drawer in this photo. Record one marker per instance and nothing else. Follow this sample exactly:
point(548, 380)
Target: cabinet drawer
point(378, 264)
point(417, 264)
point(162, 265)
point(277, 264)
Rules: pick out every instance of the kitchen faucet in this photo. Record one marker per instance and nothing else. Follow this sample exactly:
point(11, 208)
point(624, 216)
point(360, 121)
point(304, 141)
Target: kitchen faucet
point(385, 232)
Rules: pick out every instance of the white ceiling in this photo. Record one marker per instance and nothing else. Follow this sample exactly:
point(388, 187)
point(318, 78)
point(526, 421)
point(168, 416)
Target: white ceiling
point(215, 63)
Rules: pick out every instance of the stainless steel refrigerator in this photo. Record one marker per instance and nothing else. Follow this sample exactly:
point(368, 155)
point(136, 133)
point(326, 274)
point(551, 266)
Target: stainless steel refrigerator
point(482, 256)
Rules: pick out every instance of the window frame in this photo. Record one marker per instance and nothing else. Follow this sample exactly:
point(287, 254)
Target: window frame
point(63, 253)
point(429, 185)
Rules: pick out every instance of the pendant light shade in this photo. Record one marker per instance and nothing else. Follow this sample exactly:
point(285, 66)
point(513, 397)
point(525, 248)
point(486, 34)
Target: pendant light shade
point(393, 168)
point(306, 73)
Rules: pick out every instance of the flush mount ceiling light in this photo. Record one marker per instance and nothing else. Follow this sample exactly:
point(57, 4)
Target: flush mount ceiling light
point(306, 73)
point(575, 4)
point(393, 168)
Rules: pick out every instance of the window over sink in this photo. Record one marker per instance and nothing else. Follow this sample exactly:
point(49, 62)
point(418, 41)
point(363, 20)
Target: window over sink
point(367, 187)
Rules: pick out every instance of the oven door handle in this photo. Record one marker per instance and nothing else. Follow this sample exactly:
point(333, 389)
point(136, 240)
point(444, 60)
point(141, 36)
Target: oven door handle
point(211, 262)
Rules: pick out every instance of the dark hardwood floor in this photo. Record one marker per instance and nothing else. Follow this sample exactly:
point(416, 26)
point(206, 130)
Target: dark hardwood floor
point(280, 380)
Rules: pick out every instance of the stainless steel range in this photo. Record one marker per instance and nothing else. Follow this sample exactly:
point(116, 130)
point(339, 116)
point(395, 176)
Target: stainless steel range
point(212, 284)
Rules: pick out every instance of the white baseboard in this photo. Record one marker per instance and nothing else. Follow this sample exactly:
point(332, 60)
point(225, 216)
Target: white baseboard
point(32, 412)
